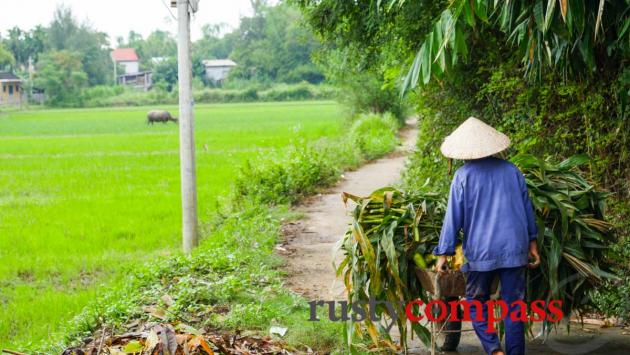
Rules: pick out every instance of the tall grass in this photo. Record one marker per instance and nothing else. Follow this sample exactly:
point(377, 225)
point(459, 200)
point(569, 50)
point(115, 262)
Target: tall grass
point(304, 167)
point(375, 134)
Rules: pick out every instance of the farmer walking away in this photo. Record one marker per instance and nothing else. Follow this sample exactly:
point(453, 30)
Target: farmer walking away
point(488, 200)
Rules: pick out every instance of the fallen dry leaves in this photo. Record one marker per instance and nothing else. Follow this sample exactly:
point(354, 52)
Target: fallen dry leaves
point(179, 339)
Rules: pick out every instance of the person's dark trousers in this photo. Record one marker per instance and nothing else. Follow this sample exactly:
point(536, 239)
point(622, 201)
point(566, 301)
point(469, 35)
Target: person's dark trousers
point(512, 289)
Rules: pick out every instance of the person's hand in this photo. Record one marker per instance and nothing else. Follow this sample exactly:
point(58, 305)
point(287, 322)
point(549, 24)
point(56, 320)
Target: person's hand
point(533, 255)
point(440, 265)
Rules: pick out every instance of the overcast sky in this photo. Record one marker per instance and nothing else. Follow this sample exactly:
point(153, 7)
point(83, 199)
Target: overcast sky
point(118, 17)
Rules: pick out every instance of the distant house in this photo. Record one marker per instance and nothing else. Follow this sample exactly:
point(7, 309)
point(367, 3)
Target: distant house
point(218, 69)
point(127, 58)
point(11, 93)
point(141, 80)
point(132, 76)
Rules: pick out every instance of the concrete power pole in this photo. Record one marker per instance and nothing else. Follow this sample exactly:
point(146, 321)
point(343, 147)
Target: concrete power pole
point(186, 129)
point(115, 72)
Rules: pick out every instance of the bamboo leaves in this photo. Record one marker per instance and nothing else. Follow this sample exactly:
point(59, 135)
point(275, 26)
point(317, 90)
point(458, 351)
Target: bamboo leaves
point(551, 6)
point(547, 33)
point(600, 12)
point(446, 39)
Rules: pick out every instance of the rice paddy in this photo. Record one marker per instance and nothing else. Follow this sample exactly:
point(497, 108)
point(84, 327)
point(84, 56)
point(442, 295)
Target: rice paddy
point(86, 194)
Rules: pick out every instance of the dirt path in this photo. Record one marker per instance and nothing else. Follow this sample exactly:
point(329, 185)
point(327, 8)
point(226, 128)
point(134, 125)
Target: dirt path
point(309, 242)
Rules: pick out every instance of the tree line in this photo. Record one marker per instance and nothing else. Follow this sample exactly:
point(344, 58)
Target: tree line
point(68, 56)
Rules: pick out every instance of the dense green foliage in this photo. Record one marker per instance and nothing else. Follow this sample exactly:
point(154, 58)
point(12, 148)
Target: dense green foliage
point(375, 134)
point(574, 38)
point(25, 44)
point(6, 58)
point(482, 55)
point(67, 57)
point(61, 75)
point(89, 194)
point(274, 46)
point(364, 49)
point(65, 33)
point(165, 74)
point(271, 46)
point(159, 44)
point(213, 44)
point(363, 91)
point(286, 179)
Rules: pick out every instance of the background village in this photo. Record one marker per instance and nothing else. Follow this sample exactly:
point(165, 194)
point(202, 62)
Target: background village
point(126, 63)
point(68, 63)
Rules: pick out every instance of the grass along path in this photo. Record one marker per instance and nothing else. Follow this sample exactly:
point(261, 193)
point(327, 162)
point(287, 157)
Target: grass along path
point(310, 241)
point(233, 282)
point(87, 194)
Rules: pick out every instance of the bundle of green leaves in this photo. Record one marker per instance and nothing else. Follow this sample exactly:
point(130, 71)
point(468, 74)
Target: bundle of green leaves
point(390, 226)
point(574, 235)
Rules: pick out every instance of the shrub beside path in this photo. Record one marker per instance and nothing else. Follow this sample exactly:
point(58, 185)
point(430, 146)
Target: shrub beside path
point(309, 243)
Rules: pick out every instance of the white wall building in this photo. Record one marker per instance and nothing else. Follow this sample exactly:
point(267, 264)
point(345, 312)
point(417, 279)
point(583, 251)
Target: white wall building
point(218, 69)
point(126, 58)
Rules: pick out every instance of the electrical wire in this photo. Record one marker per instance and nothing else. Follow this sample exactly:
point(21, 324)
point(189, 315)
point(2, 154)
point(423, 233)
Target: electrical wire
point(169, 10)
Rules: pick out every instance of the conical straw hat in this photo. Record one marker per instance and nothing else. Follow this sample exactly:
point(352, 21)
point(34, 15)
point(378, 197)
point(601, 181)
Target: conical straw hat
point(474, 139)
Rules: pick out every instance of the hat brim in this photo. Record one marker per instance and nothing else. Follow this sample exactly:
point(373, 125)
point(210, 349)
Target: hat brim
point(474, 139)
point(470, 154)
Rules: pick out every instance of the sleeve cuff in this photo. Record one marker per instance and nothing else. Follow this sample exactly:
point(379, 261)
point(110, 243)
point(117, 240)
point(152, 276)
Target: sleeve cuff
point(438, 252)
point(533, 237)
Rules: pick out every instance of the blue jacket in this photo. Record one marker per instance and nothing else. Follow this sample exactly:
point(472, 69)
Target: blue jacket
point(488, 200)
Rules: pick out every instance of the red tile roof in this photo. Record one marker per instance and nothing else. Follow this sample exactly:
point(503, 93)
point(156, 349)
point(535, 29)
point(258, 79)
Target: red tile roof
point(125, 55)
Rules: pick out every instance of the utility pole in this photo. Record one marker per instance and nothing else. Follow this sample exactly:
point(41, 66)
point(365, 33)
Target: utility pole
point(30, 74)
point(186, 127)
point(29, 96)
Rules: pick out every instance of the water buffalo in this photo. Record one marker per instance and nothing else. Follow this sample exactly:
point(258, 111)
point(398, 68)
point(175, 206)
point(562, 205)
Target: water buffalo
point(160, 116)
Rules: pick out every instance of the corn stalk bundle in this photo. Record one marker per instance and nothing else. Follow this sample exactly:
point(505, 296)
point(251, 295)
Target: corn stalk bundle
point(390, 227)
point(387, 228)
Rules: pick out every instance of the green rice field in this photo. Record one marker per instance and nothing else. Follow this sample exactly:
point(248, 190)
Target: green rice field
point(86, 194)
